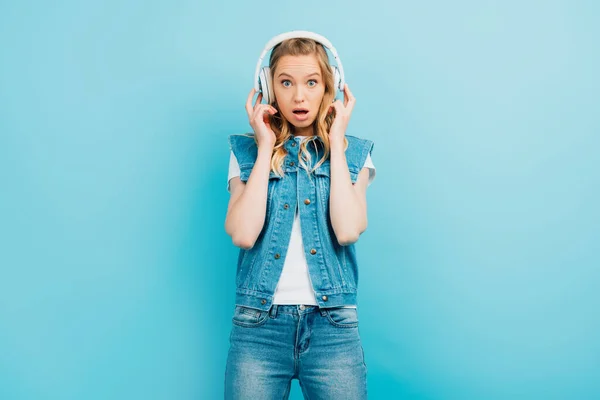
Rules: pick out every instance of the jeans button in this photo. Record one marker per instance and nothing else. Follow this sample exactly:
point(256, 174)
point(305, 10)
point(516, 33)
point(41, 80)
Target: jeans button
point(301, 307)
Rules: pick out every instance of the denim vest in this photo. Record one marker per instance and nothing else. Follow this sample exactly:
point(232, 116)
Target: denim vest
point(333, 268)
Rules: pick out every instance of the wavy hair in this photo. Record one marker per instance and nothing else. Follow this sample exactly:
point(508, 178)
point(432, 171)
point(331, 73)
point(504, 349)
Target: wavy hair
point(283, 128)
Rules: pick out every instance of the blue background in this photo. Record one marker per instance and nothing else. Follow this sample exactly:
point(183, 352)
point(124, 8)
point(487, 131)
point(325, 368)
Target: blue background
point(479, 268)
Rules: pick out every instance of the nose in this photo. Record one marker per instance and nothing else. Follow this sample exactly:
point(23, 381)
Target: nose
point(298, 95)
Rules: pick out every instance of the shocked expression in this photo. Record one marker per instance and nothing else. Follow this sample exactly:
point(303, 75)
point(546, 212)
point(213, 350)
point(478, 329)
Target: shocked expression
point(299, 88)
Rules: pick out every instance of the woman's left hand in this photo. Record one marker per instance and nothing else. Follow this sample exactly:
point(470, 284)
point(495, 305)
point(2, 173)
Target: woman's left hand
point(342, 115)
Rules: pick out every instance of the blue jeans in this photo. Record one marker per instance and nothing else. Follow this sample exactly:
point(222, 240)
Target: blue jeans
point(320, 347)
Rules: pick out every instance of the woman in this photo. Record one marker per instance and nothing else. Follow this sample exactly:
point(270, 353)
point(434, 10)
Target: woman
point(298, 204)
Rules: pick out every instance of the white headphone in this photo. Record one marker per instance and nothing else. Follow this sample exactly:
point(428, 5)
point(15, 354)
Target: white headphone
point(262, 76)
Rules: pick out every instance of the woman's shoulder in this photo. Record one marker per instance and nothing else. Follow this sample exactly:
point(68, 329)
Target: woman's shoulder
point(359, 148)
point(244, 148)
point(236, 138)
point(356, 140)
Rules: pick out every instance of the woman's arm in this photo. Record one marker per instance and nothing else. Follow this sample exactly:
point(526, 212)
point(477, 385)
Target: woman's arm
point(347, 202)
point(247, 206)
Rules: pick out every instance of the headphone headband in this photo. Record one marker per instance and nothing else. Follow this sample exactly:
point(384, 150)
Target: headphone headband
point(299, 34)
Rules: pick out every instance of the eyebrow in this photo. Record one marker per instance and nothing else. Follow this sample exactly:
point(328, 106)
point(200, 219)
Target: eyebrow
point(314, 73)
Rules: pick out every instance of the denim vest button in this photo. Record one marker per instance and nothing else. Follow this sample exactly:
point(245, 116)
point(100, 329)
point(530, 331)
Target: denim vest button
point(291, 163)
point(313, 251)
point(277, 255)
point(307, 201)
point(263, 301)
point(293, 144)
point(324, 298)
point(286, 206)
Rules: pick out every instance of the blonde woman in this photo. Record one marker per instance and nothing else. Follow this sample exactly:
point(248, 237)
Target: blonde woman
point(298, 204)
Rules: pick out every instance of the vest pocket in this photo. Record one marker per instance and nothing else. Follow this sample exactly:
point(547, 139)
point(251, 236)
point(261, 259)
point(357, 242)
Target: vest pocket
point(322, 178)
point(324, 170)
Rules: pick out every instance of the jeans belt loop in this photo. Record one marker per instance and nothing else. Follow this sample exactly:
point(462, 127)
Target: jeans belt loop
point(273, 311)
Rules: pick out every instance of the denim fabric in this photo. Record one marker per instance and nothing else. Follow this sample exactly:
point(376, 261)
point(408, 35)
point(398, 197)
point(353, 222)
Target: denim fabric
point(332, 268)
point(320, 347)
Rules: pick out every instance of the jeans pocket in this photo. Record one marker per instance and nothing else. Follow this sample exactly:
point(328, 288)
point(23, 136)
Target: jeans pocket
point(249, 317)
point(342, 317)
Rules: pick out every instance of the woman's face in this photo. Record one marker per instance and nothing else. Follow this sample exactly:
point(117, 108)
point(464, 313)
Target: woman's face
point(298, 84)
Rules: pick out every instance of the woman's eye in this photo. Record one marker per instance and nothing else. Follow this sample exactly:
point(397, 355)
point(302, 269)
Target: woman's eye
point(312, 80)
point(284, 83)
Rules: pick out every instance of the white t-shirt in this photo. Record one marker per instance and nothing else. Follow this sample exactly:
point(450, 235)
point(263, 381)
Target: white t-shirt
point(294, 286)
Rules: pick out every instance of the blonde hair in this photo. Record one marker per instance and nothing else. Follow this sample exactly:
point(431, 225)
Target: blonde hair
point(283, 129)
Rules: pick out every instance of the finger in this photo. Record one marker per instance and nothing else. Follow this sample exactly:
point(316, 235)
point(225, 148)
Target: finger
point(249, 102)
point(258, 100)
point(337, 106)
point(348, 96)
point(266, 116)
point(351, 100)
point(267, 107)
point(263, 109)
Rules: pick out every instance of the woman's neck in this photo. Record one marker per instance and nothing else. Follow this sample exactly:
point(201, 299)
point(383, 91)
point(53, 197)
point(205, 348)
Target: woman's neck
point(308, 131)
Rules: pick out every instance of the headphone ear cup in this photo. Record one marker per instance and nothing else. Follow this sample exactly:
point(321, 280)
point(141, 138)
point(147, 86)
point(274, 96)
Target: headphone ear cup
point(337, 80)
point(265, 84)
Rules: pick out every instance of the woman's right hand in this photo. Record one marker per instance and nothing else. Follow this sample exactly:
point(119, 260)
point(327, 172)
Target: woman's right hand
point(258, 116)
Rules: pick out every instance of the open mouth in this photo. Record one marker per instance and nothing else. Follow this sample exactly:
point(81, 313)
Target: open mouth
point(300, 114)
